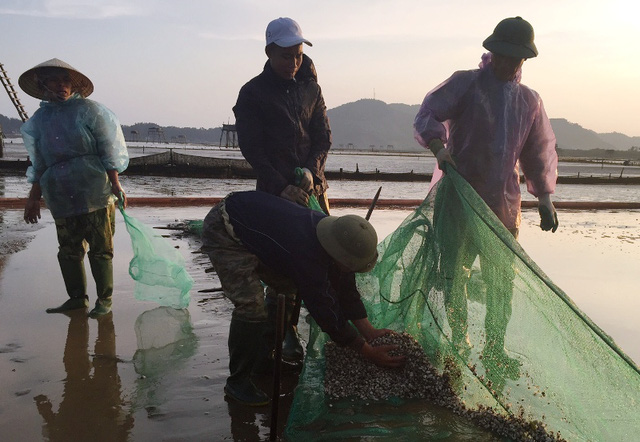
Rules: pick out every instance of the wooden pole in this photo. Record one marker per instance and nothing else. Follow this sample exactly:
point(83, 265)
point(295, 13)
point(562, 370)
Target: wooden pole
point(275, 399)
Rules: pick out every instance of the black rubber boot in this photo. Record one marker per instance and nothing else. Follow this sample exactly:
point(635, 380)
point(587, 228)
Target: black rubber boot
point(244, 341)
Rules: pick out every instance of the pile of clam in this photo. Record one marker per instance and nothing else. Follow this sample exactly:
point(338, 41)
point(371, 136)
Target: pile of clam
point(348, 375)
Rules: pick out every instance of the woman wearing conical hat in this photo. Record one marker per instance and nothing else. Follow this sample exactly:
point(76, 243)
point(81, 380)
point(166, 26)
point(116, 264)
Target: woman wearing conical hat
point(77, 151)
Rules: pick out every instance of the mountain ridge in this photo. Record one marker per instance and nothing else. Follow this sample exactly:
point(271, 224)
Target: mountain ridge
point(367, 124)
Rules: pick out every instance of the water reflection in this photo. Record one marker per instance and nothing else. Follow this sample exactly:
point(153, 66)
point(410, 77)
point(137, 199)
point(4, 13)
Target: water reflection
point(249, 423)
point(165, 340)
point(92, 407)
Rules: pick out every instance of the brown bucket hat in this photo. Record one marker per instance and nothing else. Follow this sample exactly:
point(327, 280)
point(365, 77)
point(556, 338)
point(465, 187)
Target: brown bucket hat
point(30, 83)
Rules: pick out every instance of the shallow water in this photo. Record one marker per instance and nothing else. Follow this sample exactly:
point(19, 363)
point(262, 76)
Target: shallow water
point(154, 186)
point(72, 378)
point(102, 374)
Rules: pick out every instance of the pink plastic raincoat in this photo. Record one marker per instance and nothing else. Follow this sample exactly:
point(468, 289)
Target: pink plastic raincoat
point(492, 127)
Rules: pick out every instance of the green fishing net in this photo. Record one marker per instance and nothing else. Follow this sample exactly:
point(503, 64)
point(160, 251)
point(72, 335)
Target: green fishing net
point(313, 203)
point(157, 267)
point(508, 339)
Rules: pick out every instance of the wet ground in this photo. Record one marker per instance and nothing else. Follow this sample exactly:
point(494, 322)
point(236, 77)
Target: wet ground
point(148, 373)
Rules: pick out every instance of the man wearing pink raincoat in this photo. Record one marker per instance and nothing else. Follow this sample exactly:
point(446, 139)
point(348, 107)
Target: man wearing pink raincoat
point(488, 125)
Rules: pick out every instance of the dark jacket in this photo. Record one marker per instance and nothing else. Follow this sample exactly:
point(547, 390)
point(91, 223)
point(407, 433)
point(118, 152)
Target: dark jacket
point(282, 235)
point(282, 124)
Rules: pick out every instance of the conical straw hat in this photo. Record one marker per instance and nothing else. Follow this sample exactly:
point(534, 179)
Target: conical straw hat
point(79, 82)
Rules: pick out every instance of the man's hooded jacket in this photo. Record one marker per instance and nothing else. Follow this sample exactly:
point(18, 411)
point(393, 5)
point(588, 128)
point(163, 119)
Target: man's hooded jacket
point(281, 125)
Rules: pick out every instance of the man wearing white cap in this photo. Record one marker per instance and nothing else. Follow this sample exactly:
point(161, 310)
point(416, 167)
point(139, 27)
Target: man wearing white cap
point(282, 125)
point(77, 150)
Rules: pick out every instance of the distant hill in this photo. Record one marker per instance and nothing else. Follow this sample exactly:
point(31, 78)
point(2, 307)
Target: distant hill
point(573, 136)
point(367, 125)
point(621, 141)
point(373, 124)
point(10, 126)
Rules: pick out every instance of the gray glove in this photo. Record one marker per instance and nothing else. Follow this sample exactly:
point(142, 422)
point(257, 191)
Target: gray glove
point(441, 153)
point(548, 214)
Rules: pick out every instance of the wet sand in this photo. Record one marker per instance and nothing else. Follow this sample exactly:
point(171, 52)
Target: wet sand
point(147, 373)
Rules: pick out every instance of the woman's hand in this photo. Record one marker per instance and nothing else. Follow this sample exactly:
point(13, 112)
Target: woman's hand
point(32, 211)
point(116, 188)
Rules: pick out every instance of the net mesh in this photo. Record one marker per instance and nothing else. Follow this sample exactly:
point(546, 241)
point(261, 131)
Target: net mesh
point(157, 267)
point(510, 340)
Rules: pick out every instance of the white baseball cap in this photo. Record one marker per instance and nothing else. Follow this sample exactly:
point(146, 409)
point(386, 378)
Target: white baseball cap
point(285, 32)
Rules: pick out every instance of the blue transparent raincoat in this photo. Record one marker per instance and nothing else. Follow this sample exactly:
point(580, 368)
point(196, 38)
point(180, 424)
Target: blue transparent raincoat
point(71, 145)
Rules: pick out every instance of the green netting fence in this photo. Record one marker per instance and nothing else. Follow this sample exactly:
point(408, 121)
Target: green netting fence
point(511, 341)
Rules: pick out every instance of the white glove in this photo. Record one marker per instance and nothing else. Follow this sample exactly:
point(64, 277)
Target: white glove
point(306, 182)
point(548, 214)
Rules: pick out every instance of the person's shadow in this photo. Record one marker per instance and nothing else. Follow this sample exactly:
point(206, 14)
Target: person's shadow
point(92, 407)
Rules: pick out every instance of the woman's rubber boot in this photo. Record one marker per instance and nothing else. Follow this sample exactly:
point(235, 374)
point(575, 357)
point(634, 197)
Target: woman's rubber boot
point(102, 307)
point(74, 303)
point(244, 340)
point(75, 283)
point(102, 271)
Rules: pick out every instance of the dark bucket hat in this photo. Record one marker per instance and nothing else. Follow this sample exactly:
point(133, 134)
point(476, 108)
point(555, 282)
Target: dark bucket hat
point(513, 37)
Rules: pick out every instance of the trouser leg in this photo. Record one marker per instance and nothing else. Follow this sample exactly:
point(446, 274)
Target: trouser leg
point(457, 259)
point(100, 231)
point(71, 251)
point(236, 269)
point(498, 274)
point(100, 238)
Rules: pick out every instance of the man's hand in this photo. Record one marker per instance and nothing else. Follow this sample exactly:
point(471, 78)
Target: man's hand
point(32, 211)
point(295, 194)
point(368, 331)
point(306, 181)
point(441, 153)
point(548, 214)
point(380, 355)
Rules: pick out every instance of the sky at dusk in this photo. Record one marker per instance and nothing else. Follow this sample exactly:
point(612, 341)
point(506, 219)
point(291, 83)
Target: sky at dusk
point(182, 63)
